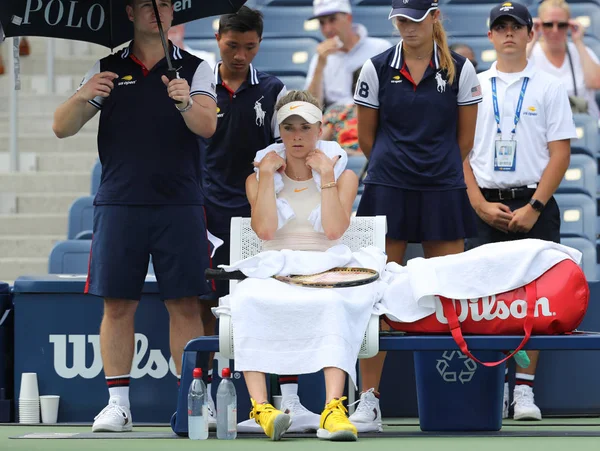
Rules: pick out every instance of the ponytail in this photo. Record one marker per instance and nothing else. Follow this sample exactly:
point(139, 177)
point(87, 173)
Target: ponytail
point(446, 60)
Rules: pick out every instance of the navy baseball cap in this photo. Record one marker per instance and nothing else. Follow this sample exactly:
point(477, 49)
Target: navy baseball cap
point(516, 11)
point(415, 10)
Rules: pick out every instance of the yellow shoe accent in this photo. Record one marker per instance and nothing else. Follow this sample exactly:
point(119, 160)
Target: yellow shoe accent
point(335, 424)
point(274, 422)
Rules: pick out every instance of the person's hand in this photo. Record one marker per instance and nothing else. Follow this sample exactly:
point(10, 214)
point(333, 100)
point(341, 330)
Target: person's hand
point(327, 47)
point(178, 89)
point(577, 31)
point(318, 161)
point(537, 27)
point(495, 214)
point(270, 164)
point(100, 85)
point(523, 219)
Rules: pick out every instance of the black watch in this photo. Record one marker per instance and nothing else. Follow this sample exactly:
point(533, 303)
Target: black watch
point(536, 204)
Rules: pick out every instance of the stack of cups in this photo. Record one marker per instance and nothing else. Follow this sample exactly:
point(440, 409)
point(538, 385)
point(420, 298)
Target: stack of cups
point(29, 399)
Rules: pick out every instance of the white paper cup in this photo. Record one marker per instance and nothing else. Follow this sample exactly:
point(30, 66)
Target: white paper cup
point(29, 386)
point(29, 412)
point(49, 408)
point(277, 401)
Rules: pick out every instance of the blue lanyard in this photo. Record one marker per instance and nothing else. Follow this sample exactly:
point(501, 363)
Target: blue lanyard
point(519, 105)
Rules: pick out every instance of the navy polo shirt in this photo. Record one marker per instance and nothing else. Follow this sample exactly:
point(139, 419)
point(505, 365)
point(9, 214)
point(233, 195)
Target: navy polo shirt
point(149, 156)
point(246, 123)
point(415, 144)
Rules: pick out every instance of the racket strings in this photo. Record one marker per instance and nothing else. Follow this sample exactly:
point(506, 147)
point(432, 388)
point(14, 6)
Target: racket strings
point(337, 276)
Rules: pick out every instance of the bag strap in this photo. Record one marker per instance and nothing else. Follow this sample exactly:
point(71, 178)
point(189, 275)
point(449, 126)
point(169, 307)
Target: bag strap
point(455, 330)
point(572, 70)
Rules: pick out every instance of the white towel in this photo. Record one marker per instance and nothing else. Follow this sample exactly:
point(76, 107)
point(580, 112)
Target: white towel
point(284, 210)
point(413, 290)
point(287, 329)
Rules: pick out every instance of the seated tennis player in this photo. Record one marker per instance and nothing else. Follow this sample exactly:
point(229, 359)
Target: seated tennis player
point(299, 117)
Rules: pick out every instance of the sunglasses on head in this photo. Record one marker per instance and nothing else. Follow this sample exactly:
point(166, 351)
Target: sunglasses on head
point(560, 25)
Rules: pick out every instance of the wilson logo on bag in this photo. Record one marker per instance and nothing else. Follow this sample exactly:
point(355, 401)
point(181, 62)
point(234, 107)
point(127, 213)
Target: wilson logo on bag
point(554, 303)
point(489, 308)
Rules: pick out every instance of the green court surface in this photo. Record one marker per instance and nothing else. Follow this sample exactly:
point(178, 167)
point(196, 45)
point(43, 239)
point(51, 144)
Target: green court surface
point(564, 434)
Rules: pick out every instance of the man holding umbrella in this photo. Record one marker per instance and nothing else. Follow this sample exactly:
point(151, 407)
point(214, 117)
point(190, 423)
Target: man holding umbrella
point(149, 201)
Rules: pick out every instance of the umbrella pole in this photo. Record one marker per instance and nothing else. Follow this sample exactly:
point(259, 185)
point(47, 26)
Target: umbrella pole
point(164, 41)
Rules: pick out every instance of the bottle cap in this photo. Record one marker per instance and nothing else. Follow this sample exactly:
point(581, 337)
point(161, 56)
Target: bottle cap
point(226, 372)
point(197, 373)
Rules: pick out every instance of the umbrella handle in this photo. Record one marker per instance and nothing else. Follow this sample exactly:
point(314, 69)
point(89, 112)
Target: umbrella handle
point(172, 74)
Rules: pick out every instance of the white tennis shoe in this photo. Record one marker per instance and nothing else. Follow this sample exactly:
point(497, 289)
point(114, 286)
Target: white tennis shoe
point(113, 418)
point(367, 416)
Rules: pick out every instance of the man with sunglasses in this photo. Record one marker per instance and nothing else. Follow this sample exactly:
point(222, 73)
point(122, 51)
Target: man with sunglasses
point(521, 152)
point(573, 62)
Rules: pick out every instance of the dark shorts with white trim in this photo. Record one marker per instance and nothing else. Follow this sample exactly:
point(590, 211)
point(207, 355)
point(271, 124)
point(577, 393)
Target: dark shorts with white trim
point(124, 238)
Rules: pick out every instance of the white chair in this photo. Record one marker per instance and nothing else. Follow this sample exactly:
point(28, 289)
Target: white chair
point(363, 231)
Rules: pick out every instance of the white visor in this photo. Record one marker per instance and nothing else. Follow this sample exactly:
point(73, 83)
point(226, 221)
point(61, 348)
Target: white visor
point(306, 110)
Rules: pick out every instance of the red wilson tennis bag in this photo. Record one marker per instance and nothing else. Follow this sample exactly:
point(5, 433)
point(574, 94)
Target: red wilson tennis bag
point(554, 303)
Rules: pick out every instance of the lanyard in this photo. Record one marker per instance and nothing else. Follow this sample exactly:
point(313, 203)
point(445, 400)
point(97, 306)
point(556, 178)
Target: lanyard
point(519, 105)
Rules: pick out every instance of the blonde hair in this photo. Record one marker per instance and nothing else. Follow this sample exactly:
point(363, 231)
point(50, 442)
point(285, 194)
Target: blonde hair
point(297, 96)
point(445, 56)
point(547, 4)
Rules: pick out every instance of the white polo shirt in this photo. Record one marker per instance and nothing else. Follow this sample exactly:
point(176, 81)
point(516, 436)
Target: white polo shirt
point(545, 117)
point(337, 74)
point(538, 57)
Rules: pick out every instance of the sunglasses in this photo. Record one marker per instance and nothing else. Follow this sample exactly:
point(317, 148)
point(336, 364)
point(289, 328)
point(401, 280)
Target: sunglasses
point(559, 25)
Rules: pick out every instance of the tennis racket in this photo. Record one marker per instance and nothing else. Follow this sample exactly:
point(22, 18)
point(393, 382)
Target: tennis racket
point(333, 278)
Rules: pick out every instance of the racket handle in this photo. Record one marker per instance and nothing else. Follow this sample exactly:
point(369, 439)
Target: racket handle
point(220, 274)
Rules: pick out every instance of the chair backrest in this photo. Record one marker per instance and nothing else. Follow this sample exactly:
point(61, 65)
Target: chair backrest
point(375, 19)
point(292, 82)
point(96, 177)
point(363, 231)
point(582, 174)
point(587, 132)
point(578, 214)
point(282, 21)
point(470, 19)
point(588, 249)
point(70, 257)
point(81, 216)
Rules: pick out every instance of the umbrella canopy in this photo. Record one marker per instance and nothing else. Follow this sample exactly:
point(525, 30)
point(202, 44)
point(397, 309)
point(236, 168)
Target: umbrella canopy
point(102, 22)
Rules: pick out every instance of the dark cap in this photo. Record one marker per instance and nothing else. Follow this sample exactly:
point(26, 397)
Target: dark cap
point(514, 10)
point(415, 10)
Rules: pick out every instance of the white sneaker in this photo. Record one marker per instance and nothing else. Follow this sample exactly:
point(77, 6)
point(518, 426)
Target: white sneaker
point(505, 402)
point(113, 418)
point(367, 416)
point(525, 408)
point(303, 420)
point(212, 415)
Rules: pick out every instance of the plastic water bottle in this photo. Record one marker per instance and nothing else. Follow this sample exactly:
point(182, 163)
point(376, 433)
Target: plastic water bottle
point(197, 408)
point(226, 408)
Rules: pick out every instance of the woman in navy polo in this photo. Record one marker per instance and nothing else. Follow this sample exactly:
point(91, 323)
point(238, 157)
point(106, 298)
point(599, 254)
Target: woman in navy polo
point(417, 108)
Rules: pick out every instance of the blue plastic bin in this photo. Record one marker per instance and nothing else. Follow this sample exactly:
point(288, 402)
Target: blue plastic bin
point(454, 393)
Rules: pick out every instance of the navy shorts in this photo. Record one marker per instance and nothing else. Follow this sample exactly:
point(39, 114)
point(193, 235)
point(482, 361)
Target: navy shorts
point(417, 216)
point(547, 227)
point(125, 237)
point(218, 220)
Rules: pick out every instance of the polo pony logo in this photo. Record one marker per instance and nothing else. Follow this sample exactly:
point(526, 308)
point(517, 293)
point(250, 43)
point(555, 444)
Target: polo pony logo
point(260, 113)
point(441, 83)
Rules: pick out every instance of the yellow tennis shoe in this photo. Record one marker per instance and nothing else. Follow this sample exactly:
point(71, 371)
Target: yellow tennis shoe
point(335, 425)
point(274, 422)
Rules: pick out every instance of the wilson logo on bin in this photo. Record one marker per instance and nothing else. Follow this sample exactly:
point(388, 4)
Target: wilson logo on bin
point(489, 309)
point(156, 365)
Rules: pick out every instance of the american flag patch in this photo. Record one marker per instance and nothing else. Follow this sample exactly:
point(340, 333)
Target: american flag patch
point(476, 91)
